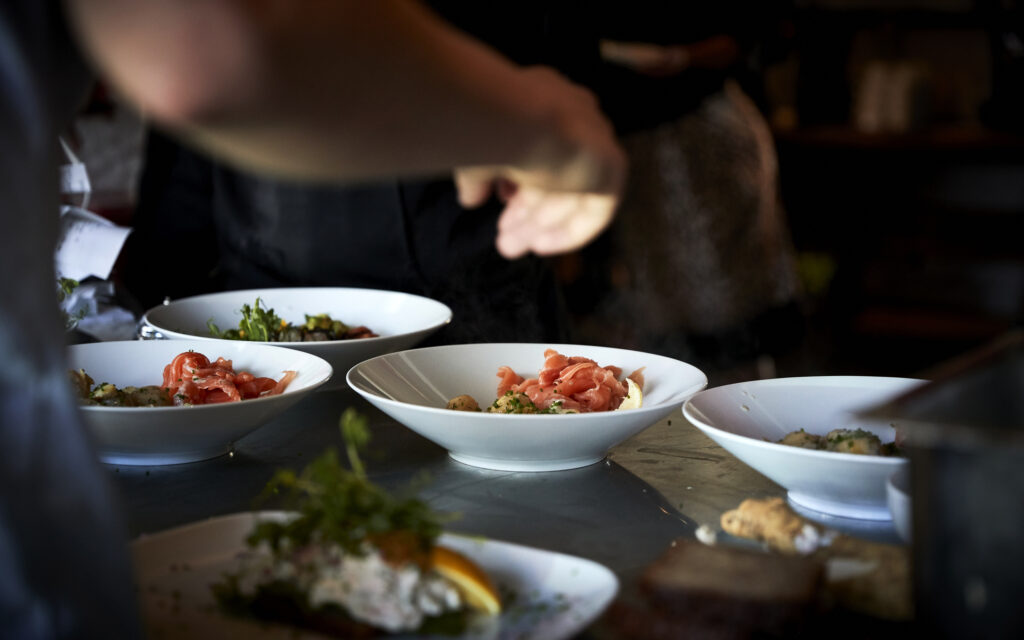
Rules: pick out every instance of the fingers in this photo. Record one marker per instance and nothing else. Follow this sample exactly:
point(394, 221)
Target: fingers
point(564, 192)
point(646, 58)
point(550, 223)
point(506, 189)
point(474, 185)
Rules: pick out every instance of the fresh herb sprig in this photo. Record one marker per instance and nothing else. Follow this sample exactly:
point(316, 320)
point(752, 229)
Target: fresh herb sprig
point(341, 505)
point(257, 324)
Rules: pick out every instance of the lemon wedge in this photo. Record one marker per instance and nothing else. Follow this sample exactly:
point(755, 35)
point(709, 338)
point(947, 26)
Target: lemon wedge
point(634, 398)
point(472, 582)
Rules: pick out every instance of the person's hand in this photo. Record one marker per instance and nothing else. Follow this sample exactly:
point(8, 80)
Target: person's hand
point(647, 58)
point(662, 61)
point(566, 193)
point(535, 218)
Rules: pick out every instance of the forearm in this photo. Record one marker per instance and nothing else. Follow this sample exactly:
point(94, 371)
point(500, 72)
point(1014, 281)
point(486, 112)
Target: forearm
point(326, 89)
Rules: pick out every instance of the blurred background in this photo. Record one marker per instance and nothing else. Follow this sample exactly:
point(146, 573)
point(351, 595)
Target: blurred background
point(899, 129)
point(898, 126)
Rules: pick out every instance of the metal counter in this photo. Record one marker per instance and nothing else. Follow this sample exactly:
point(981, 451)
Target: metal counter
point(622, 512)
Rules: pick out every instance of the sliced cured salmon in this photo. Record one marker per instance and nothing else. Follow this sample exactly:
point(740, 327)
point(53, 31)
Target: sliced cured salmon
point(191, 379)
point(570, 383)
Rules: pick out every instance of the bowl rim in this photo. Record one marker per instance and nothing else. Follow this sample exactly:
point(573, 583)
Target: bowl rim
point(693, 416)
point(443, 308)
point(594, 415)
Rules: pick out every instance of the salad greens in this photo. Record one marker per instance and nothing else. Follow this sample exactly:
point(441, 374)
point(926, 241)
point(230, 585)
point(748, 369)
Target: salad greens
point(342, 505)
point(336, 505)
point(261, 324)
point(257, 324)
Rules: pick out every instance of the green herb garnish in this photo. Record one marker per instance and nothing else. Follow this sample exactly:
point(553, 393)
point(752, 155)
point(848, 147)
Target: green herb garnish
point(261, 324)
point(65, 286)
point(341, 505)
point(257, 324)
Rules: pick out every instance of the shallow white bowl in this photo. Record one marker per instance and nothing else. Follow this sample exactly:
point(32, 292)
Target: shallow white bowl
point(171, 435)
point(400, 319)
point(897, 493)
point(414, 387)
point(748, 418)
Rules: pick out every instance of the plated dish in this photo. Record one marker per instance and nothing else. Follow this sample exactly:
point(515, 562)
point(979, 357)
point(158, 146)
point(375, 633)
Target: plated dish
point(748, 419)
point(842, 440)
point(415, 386)
point(564, 384)
point(550, 595)
point(259, 323)
point(400, 320)
point(353, 559)
point(152, 435)
point(190, 379)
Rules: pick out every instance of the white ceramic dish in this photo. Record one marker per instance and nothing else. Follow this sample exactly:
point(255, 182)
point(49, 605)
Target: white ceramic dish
point(414, 387)
point(897, 493)
point(748, 418)
point(401, 320)
point(171, 435)
point(556, 595)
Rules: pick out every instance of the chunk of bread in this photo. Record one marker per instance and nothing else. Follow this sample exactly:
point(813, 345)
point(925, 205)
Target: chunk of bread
point(773, 522)
point(736, 587)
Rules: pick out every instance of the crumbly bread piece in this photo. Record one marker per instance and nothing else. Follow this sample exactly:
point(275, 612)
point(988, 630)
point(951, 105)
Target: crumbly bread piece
point(719, 585)
point(881, 588)
point(771, 521)
point(885, 591)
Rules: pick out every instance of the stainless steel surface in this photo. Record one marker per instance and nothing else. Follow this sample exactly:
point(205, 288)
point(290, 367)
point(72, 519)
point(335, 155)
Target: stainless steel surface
point(602, 512)
point(145, 332)
point(622, 512)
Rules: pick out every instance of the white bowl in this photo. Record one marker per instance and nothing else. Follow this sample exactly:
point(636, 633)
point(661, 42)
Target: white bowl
point(170, 435)
point(748, 418)
point(400, 319)
point(897, 493)
point(414, 387)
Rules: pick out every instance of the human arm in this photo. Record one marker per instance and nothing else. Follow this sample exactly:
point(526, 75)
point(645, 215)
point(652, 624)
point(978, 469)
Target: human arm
point(351, 90)
point(715, 52)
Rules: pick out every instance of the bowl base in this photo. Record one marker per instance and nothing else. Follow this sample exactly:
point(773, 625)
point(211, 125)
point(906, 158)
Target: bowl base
point(525, 465)
point(154, 460)
point(841, 509)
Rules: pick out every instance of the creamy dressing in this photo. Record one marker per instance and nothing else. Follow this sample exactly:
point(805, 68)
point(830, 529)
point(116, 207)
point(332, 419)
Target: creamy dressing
point(367, 587)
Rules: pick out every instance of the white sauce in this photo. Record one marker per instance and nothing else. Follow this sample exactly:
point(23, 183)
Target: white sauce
point(367, 587)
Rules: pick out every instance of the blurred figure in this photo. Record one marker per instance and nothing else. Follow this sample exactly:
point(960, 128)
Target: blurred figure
point(340, 90)
point(356, 91)
point(248, 230)
point(699, 263)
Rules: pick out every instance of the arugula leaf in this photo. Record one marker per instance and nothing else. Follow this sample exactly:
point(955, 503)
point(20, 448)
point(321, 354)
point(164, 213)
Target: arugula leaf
point(342, 506)
point(257, 325)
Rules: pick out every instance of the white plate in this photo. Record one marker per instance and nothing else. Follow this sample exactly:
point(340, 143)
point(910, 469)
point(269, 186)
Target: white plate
point(400, 319)
point(556, 595)
point(414, 387)
point(748, 418)
point(170, 435)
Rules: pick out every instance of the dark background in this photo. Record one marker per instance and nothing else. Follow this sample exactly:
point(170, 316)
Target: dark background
point(905, 196)
point(899, 126)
